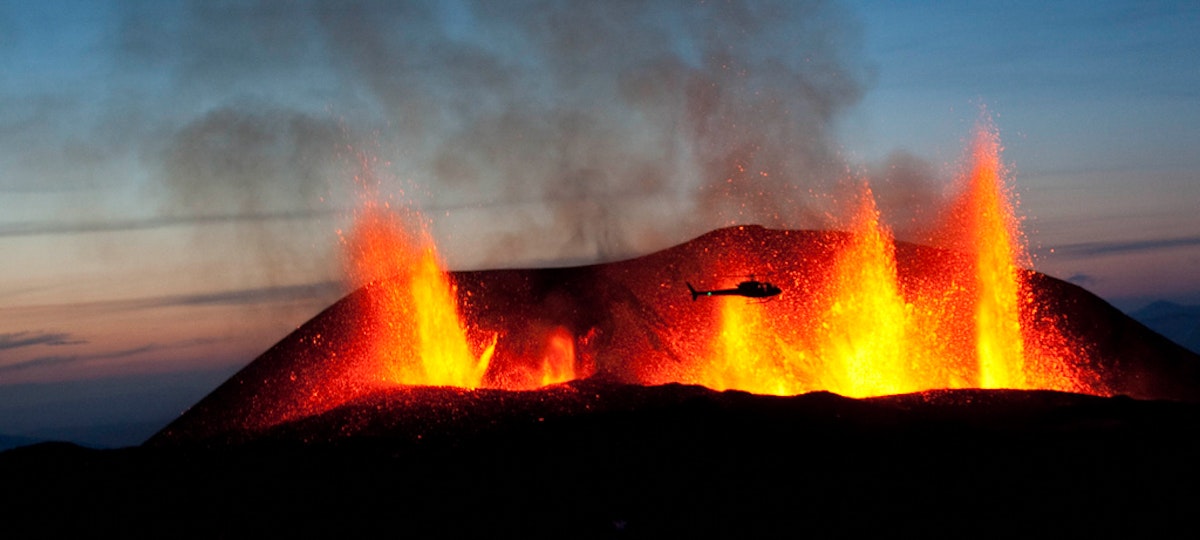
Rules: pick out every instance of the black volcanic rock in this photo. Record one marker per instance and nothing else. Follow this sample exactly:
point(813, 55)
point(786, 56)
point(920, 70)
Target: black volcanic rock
point(603, 459)
point(637, 317)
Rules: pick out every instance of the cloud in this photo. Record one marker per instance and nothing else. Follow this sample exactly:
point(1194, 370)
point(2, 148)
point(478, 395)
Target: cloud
point(1082, 279)
point(59, 360)
point(1092, 249)
point(47, 228)
point(17, 340)
point(250, 296)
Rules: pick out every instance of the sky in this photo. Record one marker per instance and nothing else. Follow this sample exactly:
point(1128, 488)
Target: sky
point(173, 175)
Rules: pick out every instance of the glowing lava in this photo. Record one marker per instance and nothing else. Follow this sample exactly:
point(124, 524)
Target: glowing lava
point(996, 241)
point(745, 354)
point(422, 336)
point(864, 338)
point(865, 331)
point(858, 326)
point(426, 341)
point(558, 361)
point(855, 342)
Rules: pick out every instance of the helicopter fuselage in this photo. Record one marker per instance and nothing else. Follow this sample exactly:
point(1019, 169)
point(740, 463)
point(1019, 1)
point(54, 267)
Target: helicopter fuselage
point(749, 289)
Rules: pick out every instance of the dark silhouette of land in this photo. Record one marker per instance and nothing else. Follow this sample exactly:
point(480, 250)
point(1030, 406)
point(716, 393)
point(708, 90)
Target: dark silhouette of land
point(595, 459)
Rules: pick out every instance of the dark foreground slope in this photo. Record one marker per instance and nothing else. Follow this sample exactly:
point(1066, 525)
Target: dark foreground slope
point(595, 459)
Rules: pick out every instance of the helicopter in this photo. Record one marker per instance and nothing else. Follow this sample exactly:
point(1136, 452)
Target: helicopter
point(750, 288)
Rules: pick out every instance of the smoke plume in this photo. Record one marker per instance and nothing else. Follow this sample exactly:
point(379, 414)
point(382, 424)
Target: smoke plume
point(590, 130)
point(533, 131)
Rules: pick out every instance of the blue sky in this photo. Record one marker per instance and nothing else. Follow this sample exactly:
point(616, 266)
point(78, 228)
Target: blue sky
point(1097, 106)
point(173, 174)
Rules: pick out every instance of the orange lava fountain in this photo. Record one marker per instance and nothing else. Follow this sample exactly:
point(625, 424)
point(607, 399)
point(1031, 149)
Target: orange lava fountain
point(857, 344)
point(856, 324)
point(747, 355)
point(866, 324)
point(996, 241)
point(865, 331)
point(426, 342)
point(424, 339)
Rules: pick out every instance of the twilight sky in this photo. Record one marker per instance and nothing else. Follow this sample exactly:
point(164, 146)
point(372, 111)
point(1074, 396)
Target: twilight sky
point(173, 174)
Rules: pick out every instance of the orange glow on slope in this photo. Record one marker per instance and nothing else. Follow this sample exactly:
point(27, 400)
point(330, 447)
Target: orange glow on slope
point(996, 240)
point(426, 341)
point(558, 361)
point(746, 354)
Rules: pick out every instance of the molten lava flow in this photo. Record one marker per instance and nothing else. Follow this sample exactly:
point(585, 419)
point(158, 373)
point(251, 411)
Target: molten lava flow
point(996, 240)
point(425, 341)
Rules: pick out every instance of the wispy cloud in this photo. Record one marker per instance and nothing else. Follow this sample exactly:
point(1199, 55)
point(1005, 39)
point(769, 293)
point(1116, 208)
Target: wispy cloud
point(44, 228)
point(1082, 279)
point(18, 340)
point(58, 360)
point(242, 297)
point(1091, 249)
point(317, 292)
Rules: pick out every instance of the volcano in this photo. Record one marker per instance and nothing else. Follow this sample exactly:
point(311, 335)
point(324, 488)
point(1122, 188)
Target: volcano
point(634, 322)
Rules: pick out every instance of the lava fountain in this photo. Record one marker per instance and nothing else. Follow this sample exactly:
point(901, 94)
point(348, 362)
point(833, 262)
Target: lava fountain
point(866, 321)
point(852, 337)
point(1016, 345)
point(425, 339)
point(860, 314)
point(862, 328)
point(997, 244)
point(865, 330)
point(426, 342)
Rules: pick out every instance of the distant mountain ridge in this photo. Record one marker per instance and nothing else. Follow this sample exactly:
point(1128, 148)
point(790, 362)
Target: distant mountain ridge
point(14, 441)
point(1177, 322)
